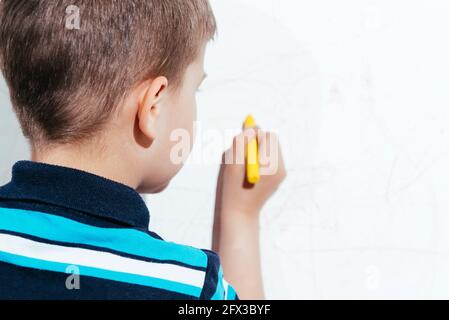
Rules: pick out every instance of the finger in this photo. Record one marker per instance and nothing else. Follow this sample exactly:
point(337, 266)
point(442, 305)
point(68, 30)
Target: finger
point(268, 149)
point(264, 138)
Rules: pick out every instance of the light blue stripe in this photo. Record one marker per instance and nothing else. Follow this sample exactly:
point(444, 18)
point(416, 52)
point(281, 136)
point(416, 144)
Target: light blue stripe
point(100, 273)
point(130, 241)
point(232, 295)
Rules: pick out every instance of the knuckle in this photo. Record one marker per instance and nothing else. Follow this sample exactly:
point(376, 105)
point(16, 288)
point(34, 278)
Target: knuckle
point(236, 140)
point(284, 175)
point(274, 136)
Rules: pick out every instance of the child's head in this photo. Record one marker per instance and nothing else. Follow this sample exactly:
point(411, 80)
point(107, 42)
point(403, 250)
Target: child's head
point(116, 75)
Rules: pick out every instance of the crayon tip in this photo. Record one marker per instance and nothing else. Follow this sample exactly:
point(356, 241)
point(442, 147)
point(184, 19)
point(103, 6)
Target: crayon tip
point(250, 122)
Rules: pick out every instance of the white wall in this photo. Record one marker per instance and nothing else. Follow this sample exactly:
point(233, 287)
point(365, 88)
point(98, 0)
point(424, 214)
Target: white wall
point(358, 91)
point(12, 143)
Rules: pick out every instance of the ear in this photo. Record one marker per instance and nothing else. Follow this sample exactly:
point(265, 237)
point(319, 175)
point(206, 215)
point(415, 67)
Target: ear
point(149, 106)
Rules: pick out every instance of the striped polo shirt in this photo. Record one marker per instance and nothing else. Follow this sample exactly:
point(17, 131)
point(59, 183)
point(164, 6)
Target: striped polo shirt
point(69, 234)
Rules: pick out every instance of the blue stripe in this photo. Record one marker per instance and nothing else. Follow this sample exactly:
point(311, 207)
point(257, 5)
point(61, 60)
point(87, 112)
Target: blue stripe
point(130, 241)
point(100, 273)
point(220, 291)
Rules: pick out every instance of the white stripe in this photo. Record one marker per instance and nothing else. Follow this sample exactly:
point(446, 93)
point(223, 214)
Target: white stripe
point(226, 288)
point(102, 260)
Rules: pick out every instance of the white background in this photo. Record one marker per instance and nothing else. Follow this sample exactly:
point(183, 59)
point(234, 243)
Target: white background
point(358, 92)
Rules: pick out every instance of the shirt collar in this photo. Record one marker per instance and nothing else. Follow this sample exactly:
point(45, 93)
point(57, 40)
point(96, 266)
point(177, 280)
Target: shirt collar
point(77, 190)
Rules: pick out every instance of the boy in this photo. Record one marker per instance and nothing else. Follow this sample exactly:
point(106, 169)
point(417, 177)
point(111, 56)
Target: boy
point(97, 101)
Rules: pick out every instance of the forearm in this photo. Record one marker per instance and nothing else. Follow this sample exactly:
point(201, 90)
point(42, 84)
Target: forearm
point(236, 240)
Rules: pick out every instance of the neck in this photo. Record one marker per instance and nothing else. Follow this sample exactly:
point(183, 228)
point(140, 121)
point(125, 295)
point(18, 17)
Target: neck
point(109, 165)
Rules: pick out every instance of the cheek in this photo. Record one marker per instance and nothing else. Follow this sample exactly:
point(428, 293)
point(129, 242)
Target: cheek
point(184, 118)
point(187, 115)
point(193, 117)
point(181, 114)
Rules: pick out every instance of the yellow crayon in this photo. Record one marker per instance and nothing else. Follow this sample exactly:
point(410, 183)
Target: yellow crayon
point(252, 159)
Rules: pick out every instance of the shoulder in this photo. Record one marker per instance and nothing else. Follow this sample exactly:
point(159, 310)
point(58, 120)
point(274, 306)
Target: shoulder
point(215, 286)
point(122, 255)
point(201, 264)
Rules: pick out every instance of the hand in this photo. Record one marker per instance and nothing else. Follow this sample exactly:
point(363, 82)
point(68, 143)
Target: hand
point(234, 193)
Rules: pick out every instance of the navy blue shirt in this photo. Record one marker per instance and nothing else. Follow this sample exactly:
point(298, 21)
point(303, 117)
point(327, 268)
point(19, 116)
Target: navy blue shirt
point(69, 234)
